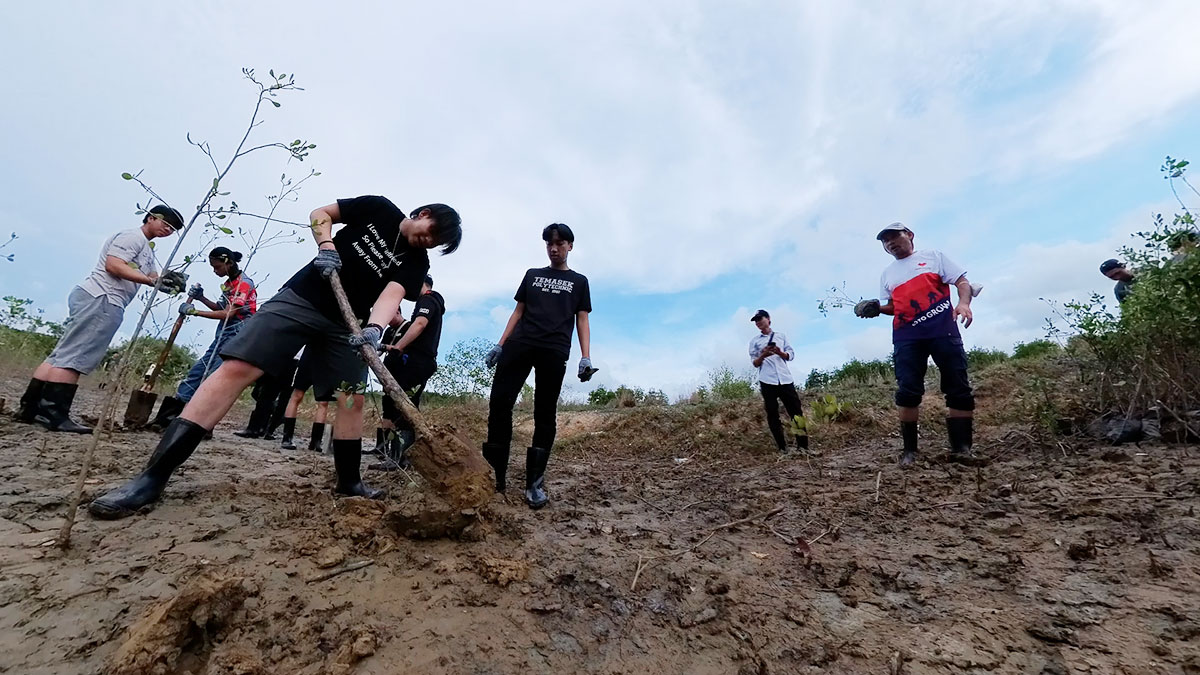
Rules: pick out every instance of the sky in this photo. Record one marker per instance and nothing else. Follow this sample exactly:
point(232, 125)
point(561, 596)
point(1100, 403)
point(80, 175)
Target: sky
point(712, 158)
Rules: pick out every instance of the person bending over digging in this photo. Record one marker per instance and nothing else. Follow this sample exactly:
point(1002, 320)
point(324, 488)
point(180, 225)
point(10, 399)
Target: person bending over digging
point(770, 353)
point(915, 290)
point(238, 302)
point(96, 308)
point(551, 301)
point(412, 360)
point(382, 255)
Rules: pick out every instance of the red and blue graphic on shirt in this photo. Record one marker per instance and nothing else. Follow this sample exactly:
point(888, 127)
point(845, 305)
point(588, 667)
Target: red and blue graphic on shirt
point(923, 309)
point(239, 292)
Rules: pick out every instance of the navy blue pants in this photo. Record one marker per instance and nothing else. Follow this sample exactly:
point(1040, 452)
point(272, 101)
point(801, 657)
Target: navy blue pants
point(911, 360)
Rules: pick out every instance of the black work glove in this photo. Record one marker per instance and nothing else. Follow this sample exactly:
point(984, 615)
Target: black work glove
point(173, 282)
point(867, 309)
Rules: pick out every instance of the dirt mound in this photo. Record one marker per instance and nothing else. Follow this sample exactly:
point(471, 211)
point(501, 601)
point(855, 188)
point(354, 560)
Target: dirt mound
point(178, 634)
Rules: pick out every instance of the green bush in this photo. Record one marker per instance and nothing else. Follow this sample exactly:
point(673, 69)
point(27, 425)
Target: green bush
point(818, 379)
point(601, 396)
point(724, 384)
point(864, 372)
point(978, 358)
point(145, 354)
point(1034, 349)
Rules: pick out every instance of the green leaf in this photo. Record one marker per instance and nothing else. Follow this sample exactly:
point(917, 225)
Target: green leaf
point(220, 216)
point(272, 72)
point(216, 182)
point(127, 176)
point(275, 103)
point(151, 245)
point(226, 230)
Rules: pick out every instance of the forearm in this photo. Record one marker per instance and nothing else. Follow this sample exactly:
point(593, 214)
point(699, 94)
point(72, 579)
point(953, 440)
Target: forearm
point(321, 222)
point(209, 304)
point(414, 331)
point(964, 291)
point(217, 315)
point(384, 308)
point(121, 269)
point(585, 334)
point(511, 325)
point(889, 309)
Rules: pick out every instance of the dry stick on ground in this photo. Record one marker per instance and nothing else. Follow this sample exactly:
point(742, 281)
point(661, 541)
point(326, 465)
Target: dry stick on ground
point(108, 412)
point(1179, 419)
point(644, 561)
point(878, 478)
point(455, 470)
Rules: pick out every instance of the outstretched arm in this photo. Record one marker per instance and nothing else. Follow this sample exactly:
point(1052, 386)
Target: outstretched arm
point(322, 220)
point(512, 322)
point(411, 335)
point(963, 310)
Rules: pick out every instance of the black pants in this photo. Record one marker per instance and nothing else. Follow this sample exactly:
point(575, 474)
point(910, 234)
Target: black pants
point(411, 373)
point(911, 359)
point(772, 393)
point(516, 360)
point(271, 392)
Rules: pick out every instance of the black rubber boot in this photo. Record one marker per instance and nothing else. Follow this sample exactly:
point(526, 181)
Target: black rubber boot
point(289, 430)
point(54, 408)
point(273, 425)
point(535, 477)
point(257, 426)
point(908, 432)
point(381, 443)
point(802, 444)
point(318, 435)
point(962, 431)
point(398, 447)
point(176, 445)
point(497, 456)
point(168, 410)
point(346, 456)
point(30, 399)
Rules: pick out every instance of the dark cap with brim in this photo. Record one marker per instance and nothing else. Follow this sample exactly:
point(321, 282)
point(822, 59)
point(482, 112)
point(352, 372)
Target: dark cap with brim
point(429, 280)
point(762, 313)
point(1110, 265)
point(894, 227)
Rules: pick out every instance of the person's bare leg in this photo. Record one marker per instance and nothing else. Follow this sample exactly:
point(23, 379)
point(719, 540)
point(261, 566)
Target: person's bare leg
point(347, 448)
point(293, 403)
point(50, 373)
point(322, 413)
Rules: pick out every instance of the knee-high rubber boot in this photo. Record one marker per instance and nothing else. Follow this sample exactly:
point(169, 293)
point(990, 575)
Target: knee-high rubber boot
point(535, 477)
point(381, 442)
point(289, 430)
point(318, 435)
point(497, 456)
point(257, 425)
point(176, 445)
point(168, 410)
point(30, 399)
point(347, 453)
point(54, 408)
point(908, 432)
point(961, 432)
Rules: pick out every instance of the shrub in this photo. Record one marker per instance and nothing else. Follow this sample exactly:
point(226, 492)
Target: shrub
point(978, 358)
point(601, 396)
point(864, 371)
point(1034, 349)
point(725, 384)
point(818, 379)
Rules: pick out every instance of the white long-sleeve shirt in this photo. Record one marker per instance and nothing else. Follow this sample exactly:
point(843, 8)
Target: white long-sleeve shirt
point(774, 370)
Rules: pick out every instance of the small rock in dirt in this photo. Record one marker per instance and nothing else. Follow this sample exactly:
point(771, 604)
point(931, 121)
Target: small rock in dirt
point(1084, 551)
point(329, 556)
point(503, 572)
point(1048, 632)
point(540, 607)
point(566, 643)
point(706, 615)
point(716, 587)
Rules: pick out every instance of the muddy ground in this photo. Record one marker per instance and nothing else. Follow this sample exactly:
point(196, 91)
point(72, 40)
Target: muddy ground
point(1074, 560)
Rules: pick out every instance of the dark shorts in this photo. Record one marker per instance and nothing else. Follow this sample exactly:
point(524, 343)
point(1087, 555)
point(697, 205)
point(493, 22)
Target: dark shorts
point(284, 324)
point(911, 360)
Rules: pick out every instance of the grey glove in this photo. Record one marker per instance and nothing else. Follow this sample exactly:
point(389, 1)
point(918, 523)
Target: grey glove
point(172, 282)
point(586, 371)
point(867, 309)
point(187, 309)
point(195, 291)
point(493, 357)
point(327, 262)
point(371, 335)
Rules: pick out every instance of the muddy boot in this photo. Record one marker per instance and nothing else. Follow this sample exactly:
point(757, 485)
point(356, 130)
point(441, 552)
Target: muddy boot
point(54, 408)
point(289, 430)
point(398, 448)
point(346, 456)
point(497, 456)
point(29, 400)
point(802, 445)
point(535, 477)
point(257, 426)
point(961, 432)
point(176, 445)
point(908, 432)
point(381, 443)
point(168, 410)
point(273, 425)
point(318, 435)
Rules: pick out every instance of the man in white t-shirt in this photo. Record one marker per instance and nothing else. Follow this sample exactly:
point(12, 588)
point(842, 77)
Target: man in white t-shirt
point(96, 308)
point(770, 353)
point(915, 290)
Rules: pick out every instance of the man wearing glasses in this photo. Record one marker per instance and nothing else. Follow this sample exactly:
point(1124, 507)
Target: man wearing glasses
point(96, 309)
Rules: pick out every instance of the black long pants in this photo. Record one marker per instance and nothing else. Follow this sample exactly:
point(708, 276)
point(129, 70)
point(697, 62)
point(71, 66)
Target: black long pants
point(772, 394)
point(516, 360)
point(270, 393)
point(411, 373)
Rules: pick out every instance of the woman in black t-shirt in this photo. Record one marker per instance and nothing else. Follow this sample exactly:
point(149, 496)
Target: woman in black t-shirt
point(551, 301)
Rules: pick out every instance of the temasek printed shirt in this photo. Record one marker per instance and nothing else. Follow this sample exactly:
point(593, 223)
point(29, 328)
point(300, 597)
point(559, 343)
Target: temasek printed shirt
point(373, 254)
point(919, 288)
point(552, 299)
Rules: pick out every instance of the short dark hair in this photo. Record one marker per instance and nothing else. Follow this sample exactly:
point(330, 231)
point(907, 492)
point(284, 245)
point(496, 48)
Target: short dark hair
point(225, 255)
point(170, 215)
point(563, 232)
point(429, 280)
point(447, 226)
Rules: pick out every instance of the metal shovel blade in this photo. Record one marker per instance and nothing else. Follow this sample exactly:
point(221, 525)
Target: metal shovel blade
point(141, 404)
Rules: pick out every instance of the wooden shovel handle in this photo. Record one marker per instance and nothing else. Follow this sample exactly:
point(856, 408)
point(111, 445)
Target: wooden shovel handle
point(390, 386)
point(162, 358)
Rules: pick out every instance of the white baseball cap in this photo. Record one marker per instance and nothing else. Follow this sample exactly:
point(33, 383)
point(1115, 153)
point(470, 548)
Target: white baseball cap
point(894, 227)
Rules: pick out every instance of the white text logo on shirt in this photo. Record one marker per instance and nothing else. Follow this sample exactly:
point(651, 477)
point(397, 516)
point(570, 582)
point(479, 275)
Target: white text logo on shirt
point(551, 285)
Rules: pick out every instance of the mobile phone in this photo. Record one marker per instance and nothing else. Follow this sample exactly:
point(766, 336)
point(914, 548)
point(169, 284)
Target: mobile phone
point(771, 343)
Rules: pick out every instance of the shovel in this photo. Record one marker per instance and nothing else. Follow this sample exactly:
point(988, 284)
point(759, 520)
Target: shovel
point(456, 471)
point(141, 401)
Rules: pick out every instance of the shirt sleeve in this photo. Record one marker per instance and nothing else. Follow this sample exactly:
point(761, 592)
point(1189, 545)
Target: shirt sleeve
point(787, 346)
point(127, 246)
point(362, 210)
point(951, 270)
point(753, 351)
point(885, 293)
point(522, 290)
point(585, 296)
point(426, 307)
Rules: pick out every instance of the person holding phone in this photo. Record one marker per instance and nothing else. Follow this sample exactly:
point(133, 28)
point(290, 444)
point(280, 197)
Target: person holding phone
point(770, 353)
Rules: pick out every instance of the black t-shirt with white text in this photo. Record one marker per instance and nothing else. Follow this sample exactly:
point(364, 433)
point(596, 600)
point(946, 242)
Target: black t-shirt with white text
point(431, 306)
point(552, 298)
point(373, 253)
